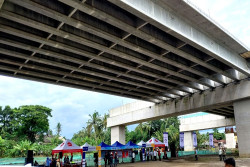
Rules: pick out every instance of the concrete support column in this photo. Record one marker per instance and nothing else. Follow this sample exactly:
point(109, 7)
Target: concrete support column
point(230, 140)
point(242, 119)
point(118, 134)
point(188, 141)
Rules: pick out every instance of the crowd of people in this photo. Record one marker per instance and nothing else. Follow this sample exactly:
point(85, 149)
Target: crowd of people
point(110, 159)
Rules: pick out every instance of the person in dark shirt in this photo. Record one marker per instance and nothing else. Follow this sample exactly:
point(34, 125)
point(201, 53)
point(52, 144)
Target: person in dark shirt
point(111, 159)
point(106, 157)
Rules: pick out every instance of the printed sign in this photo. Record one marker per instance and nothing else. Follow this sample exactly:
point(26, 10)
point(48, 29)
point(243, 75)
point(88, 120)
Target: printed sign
point(194, 139)
point(211, 139)
point(181, 139)
point(165, 138)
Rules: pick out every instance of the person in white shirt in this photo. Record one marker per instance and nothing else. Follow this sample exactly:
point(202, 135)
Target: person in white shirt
point(220, 154)
point(155, 154)
point(133, 157)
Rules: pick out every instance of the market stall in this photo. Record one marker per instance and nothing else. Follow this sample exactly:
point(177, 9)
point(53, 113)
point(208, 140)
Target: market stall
point(67, 147)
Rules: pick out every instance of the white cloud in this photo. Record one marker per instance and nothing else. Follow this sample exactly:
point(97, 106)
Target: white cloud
point(71, 107)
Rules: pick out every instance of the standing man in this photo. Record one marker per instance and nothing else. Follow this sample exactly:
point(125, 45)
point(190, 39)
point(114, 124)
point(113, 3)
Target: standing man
point(223, 153)
point(106, 157)
point(196, 154)
point(220, 154)
point(155, 154)
point(159, 154)
point(133, 157)
point(111, 159)
point(116, 159)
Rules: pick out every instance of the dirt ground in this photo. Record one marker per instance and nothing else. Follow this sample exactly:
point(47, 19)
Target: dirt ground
point(189, 162)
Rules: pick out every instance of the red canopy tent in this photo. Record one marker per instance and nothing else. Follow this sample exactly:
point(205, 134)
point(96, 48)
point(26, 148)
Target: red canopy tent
point(67, 147)
point(156, 142)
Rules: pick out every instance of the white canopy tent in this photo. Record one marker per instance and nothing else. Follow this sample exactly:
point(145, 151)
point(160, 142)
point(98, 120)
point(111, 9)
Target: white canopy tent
point(90, 148)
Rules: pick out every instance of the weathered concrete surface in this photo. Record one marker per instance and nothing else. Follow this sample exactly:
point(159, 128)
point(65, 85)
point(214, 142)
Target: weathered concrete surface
point(221, 96)
point(188, 141)
point(230, 140)
point(1, 3)
point(242, 119)
point(209, 121)
point(160, 14)
point(118, 134)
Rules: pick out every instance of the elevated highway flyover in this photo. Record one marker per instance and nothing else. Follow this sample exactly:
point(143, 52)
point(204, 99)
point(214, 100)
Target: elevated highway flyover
point(158, 51)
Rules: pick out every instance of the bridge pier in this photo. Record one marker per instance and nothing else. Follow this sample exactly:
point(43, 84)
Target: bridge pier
point(118, 134)
point(188, 141)
point(242, 119)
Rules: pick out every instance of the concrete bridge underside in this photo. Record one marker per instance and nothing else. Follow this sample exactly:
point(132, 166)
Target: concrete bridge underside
point(233, 99)
point(165, 52)
point(148, 50)
point(203, 122)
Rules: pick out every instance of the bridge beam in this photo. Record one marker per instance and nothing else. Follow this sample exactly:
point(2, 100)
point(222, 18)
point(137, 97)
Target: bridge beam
point(1, 3)
point(159, 13)
point(208, 100)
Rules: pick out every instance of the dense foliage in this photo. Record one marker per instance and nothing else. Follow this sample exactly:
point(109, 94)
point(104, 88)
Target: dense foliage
point(25, 128)
point(95, 132)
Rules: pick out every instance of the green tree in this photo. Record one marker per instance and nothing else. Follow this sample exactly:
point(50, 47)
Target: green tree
point(6, 118)
point(94, 123)
point(218, 135)
point(23, 147)
point(58, 128)
point(31, 121)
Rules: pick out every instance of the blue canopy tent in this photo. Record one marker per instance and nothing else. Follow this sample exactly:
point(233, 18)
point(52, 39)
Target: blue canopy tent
point(105, 146)
point(118, 146)
point(131, 145)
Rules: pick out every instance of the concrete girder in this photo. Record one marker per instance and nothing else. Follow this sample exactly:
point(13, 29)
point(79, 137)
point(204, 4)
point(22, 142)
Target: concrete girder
point(110, 37)
point(170, 22)
point(114, 21)
point(218, 113)
point(71, 75)
point(58, 27)
point(81, 83)
point(70, 85)
point(208, 100)
point(75, 60)
point(19, 55)
point(1, 3)
point(203, 122)
point(57, 45)
point(50, 13)
point(91, 44)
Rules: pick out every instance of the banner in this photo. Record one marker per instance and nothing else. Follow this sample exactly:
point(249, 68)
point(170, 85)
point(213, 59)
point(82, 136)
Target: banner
point(194, 139)
point(211, 139)
point(165, 138)
point(181, 139)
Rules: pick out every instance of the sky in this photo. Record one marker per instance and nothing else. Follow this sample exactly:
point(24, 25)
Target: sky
point(71, 107)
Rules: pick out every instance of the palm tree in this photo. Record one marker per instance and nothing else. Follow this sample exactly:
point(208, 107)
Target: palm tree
point(58, 128)
point(95, 123)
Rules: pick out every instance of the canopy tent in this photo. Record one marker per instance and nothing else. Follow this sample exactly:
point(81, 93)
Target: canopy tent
point(156, 142)
point(118, 145)
point(67, 147)
point(131, 145)
point(105, 146)
point(142, 142)
point(88, 147)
